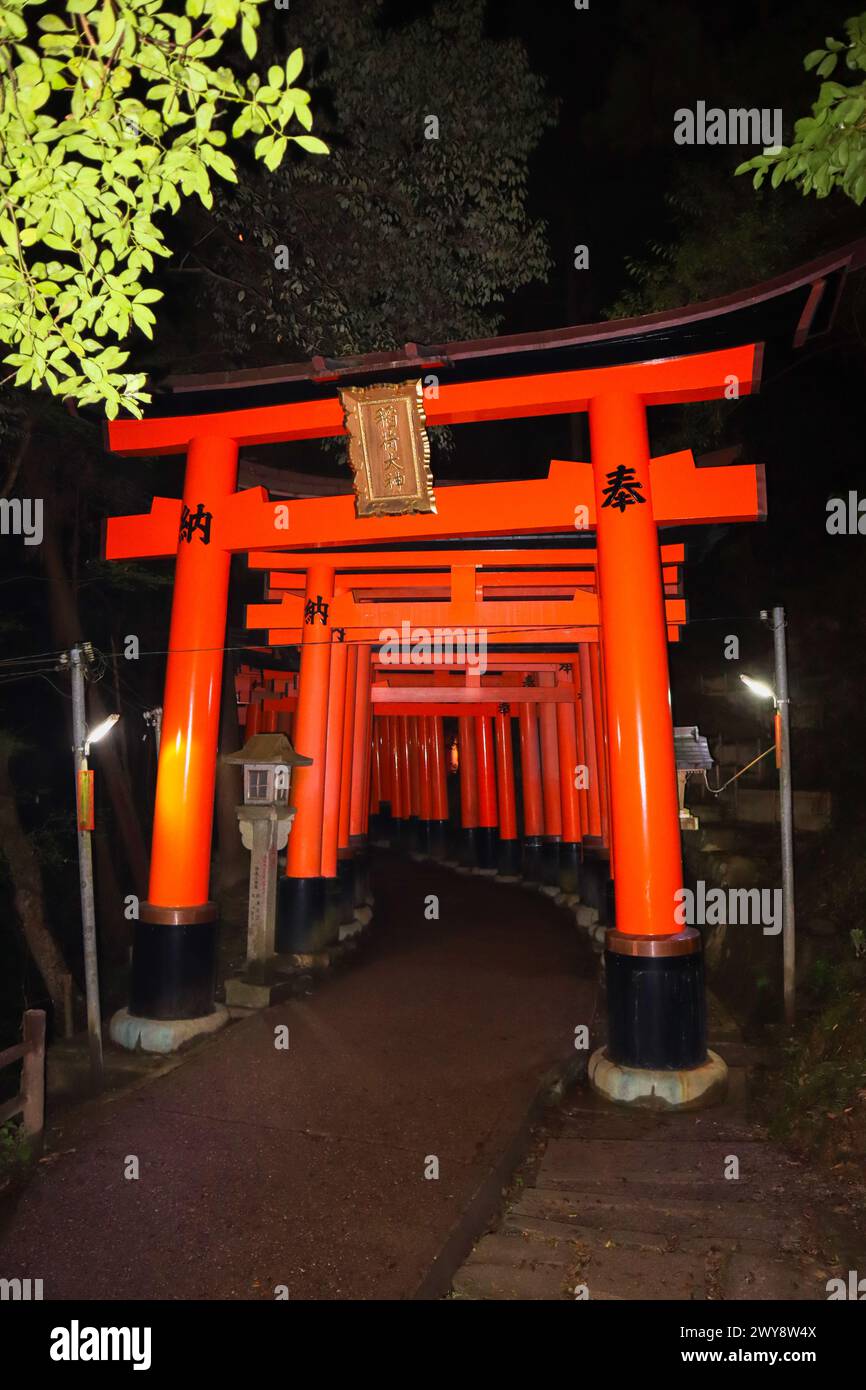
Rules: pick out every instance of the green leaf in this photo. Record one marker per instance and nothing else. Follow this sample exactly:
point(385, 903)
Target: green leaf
point(222, 165)
point(143, 319)
point(294, 64)
point(275, 153)
point(107, 23)
point(312, 144)
point(249, 39)
point(812, 59)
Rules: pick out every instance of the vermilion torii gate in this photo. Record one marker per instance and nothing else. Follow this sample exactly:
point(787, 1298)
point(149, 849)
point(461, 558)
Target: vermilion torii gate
point(522, 582)
point(654, 968)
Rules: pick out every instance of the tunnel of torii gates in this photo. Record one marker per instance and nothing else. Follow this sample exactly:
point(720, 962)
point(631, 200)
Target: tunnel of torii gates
point(565, 750)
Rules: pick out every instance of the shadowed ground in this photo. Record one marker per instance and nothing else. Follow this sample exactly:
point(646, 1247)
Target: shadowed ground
point(305, 1167)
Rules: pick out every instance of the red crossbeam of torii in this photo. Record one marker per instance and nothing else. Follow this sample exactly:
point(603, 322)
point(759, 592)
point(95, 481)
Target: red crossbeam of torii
point(244, 521)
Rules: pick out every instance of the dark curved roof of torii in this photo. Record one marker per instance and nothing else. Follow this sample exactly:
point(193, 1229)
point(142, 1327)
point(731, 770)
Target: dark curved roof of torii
point(789, 309)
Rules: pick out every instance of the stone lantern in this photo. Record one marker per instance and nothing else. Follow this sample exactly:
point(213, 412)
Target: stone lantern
point(265, 819)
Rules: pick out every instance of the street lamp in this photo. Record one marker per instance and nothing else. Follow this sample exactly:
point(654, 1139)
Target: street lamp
point(82, 739)
point(782, 723)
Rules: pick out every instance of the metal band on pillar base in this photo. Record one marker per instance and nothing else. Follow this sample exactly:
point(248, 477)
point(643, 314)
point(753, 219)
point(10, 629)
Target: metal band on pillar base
point(361, 862)
point(439, 846)
point(550, 863)
point(486, 837)
point(467, 841)
point(594, 876)
point(171, 997)
point(302, 925)
point(656, 1055)
point(531, 858)
point(346, 885)
point(385, 813)
point(569, 866)
point(508, 867)
point(333, 911)
point(422, 839)
point(411, 834)
point(381, 824)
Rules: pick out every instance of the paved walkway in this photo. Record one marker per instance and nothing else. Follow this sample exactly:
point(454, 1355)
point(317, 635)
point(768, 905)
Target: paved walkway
point(628, 1204)
point(306, 1167)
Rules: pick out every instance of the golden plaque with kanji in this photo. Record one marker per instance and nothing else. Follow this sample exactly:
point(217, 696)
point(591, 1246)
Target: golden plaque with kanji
point(389, 450)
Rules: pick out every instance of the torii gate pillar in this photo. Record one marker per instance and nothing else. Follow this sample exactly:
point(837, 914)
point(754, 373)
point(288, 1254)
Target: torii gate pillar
point(174, 948)
point(657, 1048)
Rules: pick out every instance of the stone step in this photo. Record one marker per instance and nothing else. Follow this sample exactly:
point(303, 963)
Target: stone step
point(641, 1215)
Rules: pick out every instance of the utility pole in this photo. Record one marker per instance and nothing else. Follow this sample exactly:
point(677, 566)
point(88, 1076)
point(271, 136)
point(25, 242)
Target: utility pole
point(85, 870)
point(786, 799)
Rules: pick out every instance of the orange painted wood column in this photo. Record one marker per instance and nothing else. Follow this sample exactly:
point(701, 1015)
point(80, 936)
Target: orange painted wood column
point(550, 775)
point(386, 759)
point(413, 742)
point(530, 763)
point(580, 736)
point(375, 790)
point(550, 784)
point(508, 850)
point(439, 770)
point(505, 777)
point(404, 772)
point(425, 766)
point(304, 856)
point(366, 745)
point(601, 744)
point(174, 948)
point(605, 781)
point(348, 748)
point(643, 786)
point(439, 789)
point(487, 810)
point(395, 778)
point(533, 806)
point(345, 855)
point(569, 850)
point(468, 759)
point(568, 766)
point(183, 811)
point(468, 772)
point(486, 848)
point(587, 703)
point(334, 758)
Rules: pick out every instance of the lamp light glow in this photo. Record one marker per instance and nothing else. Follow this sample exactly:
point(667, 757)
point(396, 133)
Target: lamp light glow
point(759, 688)
point(105, 727)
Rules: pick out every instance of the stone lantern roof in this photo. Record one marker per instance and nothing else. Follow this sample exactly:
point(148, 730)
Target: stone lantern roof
point(268, 748)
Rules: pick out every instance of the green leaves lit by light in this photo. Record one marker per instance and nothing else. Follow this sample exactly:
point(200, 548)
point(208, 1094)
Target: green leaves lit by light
point(829, 147)
point(112, 112)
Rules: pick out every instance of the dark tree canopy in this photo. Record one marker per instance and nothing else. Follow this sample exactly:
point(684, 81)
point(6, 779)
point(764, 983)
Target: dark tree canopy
point(415, 228)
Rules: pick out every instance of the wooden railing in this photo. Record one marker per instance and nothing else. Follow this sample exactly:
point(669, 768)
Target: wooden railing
point(30, 1102)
